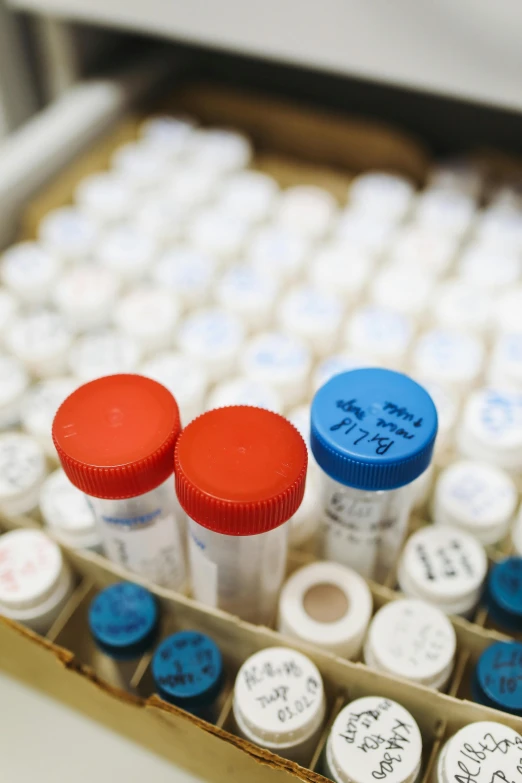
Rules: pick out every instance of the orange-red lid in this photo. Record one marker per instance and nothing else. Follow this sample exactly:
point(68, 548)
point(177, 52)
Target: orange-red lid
point(115, 436)
point(240, 470)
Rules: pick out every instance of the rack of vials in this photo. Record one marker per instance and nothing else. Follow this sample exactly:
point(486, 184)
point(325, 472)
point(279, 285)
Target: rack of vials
point(299, 410)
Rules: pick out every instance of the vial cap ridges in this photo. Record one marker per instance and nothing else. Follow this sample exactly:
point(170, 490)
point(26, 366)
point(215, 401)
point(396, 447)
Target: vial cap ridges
point(123, 620)
point(373, 429)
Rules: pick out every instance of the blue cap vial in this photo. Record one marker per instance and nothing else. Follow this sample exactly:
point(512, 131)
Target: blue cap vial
point(504, 594)
point(373, 429)
point(187, 668)
point(123, 620)
point(497, 681)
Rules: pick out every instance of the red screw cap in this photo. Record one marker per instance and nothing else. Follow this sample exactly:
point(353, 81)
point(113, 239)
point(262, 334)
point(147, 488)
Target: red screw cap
point(115, 436)
point(240, 470)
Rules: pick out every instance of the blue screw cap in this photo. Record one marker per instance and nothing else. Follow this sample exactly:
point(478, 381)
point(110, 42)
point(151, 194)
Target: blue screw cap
point(504, 594)
point(123, 620)
point(497, 681)
point(187, 668)
point(373, 429)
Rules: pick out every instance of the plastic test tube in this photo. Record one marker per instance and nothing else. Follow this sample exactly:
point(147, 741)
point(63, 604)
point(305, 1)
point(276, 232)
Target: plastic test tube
point(497, 680)
point(187, 669)
point(69, 233)
point(219, 149)
point(67, 513)
point(340, 269)
point(148, 314)
point(250, 195)
point(213, 337)
point(218, 233)
point(486, 749)
point(380, 334)
point(105, 197)
point(413, 640)
point(40, 339)
point(491, 428)
point(85, 295)
point(308, 210)
point(279, 703)
point(487, 268)
point(403, 288)
point(328, 605)
point(35, 580)
point(170, 134)
point(127, 251)
point(354, 756)
point(240, 475)
point(444, 566)
point(505, 367)
point(503, 595)
point(123, 622)
point(449, 357)
point(14, 382)
point(372, 433)
point(103, 352)
point(115, 438)
point(313, 316)
point(188, 273)
point(249, 293)
point(185, 378)
point(39, 407)
point(30, 272)
point(475, 497)
point(280, 360)
point(382, 195)
point(465, 308)
point(278, 253)
point(22, 471)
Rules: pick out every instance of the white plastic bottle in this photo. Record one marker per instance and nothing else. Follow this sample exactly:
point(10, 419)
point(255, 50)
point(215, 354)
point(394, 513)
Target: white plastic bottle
point(187, 273)
point(35, 581)
point(491, 428)
point(280, 360)
point(69, 234)
point(483, 752)
point(103, 352)
point(308, 210)
point(148, 315)
point(337, 268)
point(22, 470)
point(169, 134)
point(85, 295)
point(279, 253)
point(382, 194)
point(105, 197)
point(219, 149)
point(41, 340)
point(372, 434)
point(240, 475)
point(462, 307)
point(39, 407)
point(249, 195)
point(126, 251)
point(30, 272)
point(312, 316)
point(213, 337)
point(249, 294)
point(449, 357)
point(354, 753)
point(67, 513)
point(14, 382)
point(380, 334)
point(279, 702)
point(115, 438)
point(218, 233)
point(185, 378)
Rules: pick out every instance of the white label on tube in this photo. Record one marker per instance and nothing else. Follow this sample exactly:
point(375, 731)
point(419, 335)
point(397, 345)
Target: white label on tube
point(204, 573)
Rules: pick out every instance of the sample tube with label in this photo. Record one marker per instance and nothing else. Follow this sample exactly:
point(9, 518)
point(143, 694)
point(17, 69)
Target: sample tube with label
point(240, 475)
point(482, 752)
point(373, 432)
point(497, 680)
point(115, 437)
point(123, 621)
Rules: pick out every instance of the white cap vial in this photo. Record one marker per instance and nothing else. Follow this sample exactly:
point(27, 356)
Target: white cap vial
point(148, 314)
point(29, 272)
point(249, 294)
point(446, 211)
point(22, 471)
point(35, 580)
point(213, 337)
point(106, 352)
point(361, 230)
point(406, 289)
point(221, 235)
point(457, 173)
point(187, 272)
point(250, 196)
point(105, 197)
point(115, 438)
point(279, 702)
point(142, 166)
point(85, 295)
point(414, 243)
point(338, 268)
point(505, 366)
point(244, 391)
point(461, 307)
point(240, 475)
point(384, 195)
point(380, 334)
point(476, 497)
point(448, 357)
point(508, 310)
point(14, 382)
point(444, 566)
point(313, 316)
point(447, 405)
point(220, 149)
point(491, 428)
point(168, 133)
point(67, 513)
point(280, 360)
point(308, 210)
point(39, 407)
point(9, 306)
point(354, 755)
point(372, 434)
point(490, 750)
point(501, 229)
point(41, 340)
point(328, 605)
point(413, 640)
point(304, 524)
point(69, 233)
point(185, 378)
point(126, 251)
point(192, 187)
point(486, 267)
point(334, 365)
point(278, 253)
point(160, 219)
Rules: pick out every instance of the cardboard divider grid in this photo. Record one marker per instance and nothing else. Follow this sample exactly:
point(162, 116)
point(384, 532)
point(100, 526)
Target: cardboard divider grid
point(294, 145)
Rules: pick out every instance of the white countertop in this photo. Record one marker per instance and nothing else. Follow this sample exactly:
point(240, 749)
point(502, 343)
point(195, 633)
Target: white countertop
point(65, 745)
